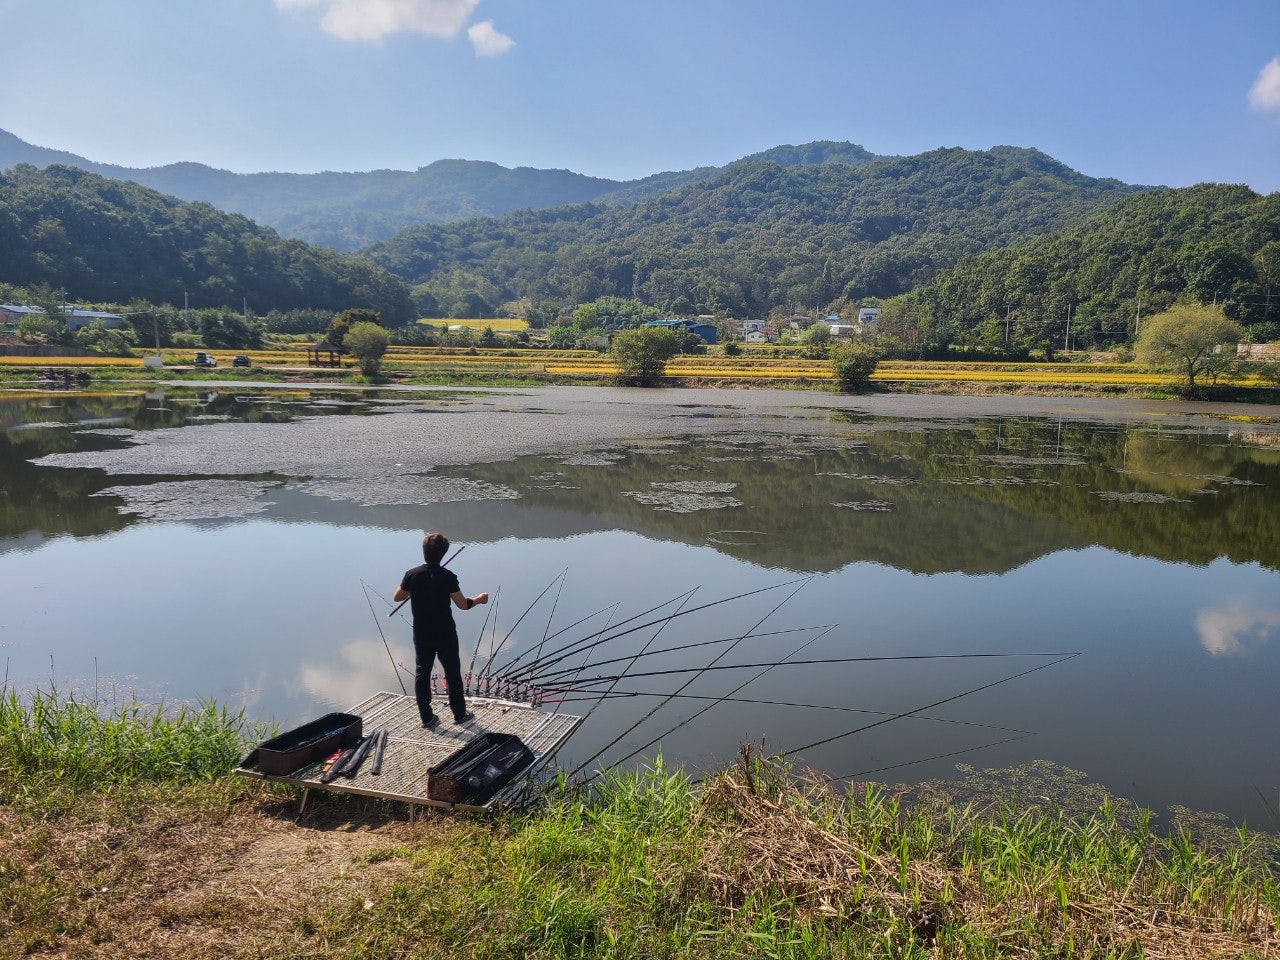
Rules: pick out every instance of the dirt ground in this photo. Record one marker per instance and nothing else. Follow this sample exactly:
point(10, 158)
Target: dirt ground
point(245, 880)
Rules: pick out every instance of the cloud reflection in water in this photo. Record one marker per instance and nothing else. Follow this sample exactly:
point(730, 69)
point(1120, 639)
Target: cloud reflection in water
point(1237, 628)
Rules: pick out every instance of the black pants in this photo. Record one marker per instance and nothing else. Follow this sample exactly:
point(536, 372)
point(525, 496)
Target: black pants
point(442, 645)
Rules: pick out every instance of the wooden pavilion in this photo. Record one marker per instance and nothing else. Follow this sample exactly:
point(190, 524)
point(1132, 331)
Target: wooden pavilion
point(334, 354)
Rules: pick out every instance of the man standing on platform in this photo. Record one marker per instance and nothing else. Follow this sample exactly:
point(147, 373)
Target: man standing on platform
point(431, 587)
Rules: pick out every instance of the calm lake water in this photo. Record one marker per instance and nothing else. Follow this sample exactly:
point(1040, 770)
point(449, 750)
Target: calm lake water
point(945, 580)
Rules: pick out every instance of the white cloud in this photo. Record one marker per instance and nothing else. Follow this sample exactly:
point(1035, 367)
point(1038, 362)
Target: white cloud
point(487, 41)
point(374, 19)
point(1237, 628)
point(1265, 93)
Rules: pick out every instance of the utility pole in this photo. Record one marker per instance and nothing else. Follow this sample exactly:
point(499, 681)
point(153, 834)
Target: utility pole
point(1137, 317)
point(1007, 308)
point(1066, 337)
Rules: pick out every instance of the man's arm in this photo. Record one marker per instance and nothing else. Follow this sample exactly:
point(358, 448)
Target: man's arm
point(466, 603)
point(400, 594)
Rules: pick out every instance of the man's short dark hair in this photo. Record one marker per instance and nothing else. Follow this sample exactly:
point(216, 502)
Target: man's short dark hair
point(434, 547)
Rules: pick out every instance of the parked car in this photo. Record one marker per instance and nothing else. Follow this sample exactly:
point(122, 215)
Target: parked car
point(240, 360)
point(206, 360)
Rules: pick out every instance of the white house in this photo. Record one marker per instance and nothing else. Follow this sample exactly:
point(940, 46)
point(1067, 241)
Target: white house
point(11, 314)
point(867, 316)
point(77, 318)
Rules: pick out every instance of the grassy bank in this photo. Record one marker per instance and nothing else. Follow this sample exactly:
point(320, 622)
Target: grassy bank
point(122, 834)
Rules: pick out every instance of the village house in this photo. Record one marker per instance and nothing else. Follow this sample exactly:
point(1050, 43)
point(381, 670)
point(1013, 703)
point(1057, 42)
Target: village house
point(706, 331)
point(12, 314)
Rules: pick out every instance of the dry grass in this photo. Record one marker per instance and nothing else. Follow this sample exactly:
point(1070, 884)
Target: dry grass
point(180, 877)
point(890, 872)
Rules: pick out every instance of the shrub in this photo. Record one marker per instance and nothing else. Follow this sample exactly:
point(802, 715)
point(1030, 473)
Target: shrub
point(367, 342)
point(852, 365)
point(642, 354)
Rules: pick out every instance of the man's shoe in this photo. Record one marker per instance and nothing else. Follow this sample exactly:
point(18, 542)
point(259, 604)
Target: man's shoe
point(465, 718)
point(431, 722)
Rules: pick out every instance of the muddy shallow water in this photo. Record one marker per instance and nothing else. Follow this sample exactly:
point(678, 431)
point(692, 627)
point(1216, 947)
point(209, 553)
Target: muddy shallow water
point(1092, 582)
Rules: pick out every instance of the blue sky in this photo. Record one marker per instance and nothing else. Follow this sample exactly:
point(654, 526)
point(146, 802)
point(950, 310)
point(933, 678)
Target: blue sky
point(1162, 92)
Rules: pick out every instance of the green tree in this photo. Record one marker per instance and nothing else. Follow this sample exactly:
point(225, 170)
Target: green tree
point(563, 337)
point(115, 341)
point(816, 333)
point(642, 354)
point(852, 364)
point(344, 321)
point(1193, 339)
point(613, 312)
point(229, 330)
point(1266, 264)
point(367, 342)
point(47, 327)
point(39, 328)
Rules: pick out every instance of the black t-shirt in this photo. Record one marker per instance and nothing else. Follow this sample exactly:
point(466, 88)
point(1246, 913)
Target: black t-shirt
point(430, 586)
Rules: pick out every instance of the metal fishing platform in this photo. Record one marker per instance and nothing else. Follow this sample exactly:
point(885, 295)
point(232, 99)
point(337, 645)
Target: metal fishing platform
point(412, 750)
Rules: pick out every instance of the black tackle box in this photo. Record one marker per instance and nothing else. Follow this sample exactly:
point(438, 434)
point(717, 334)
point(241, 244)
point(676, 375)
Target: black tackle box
point(473, 774)
point(302, 745)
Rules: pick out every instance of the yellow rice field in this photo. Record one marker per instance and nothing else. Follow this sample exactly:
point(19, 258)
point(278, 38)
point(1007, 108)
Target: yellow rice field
point(511, 361)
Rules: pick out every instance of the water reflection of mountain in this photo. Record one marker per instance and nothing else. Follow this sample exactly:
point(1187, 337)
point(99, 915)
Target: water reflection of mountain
point(979, 497)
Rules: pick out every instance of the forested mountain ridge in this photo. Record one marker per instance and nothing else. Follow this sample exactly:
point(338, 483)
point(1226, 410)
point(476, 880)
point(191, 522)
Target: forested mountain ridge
point(102, 240)
point(351, 210)
point(757, 235)
point(347, 210)
point(1218, 243)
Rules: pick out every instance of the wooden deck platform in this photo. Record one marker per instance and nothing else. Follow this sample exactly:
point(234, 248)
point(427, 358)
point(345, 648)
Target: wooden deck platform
point(411, 750)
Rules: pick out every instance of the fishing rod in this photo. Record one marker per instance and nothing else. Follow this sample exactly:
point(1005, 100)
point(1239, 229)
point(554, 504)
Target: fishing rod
point(936, 756)
point(834, 660)
point(929, 706)
point(376, 620)
point(484, 671)
point(551, 616)
point(552, 675)
point(556, 712)
point(583, 645)
point(683, 613)
point(623, 694)
point(407, 599)
point(567, 650)
point(611, 610)
point(586, 661)
point(489, 663)
point(497, 595)
point(596, 705)
point(721, 655)
point(738, 688)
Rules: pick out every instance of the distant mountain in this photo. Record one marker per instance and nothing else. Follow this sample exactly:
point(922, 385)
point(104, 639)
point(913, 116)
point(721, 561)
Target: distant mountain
point(352, 210)
point(758, 234)
point(104, 240)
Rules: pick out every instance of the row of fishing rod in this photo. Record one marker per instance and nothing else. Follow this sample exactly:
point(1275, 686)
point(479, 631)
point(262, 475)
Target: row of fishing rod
point(552, 672)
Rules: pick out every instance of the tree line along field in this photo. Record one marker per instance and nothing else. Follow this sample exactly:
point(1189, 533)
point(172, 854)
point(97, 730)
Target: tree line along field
point(759, 365)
